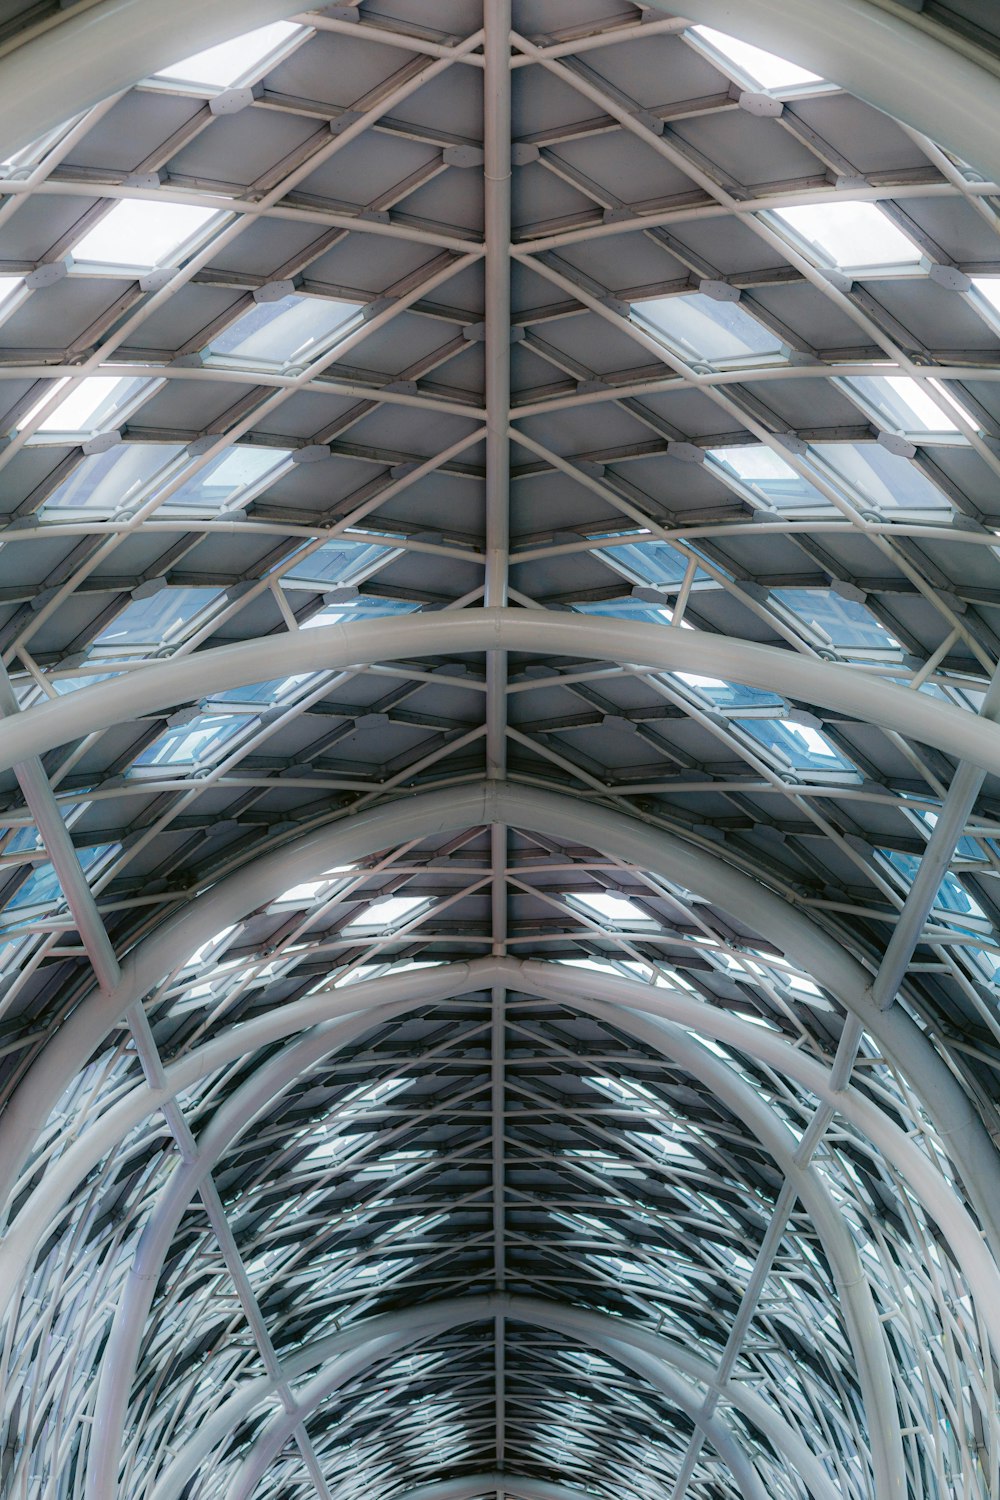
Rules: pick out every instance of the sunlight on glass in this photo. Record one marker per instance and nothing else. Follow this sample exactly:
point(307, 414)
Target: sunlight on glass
point(289, 332)
point(141, 234)
point(88, 408)
point(903, 402)
point(765, 68)
point(387, 913)
point(850, 236)
point(701, 328)
point(611, 908)
point(230, 62)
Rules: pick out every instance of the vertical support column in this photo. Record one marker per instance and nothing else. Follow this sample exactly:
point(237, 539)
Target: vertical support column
point(496, 166)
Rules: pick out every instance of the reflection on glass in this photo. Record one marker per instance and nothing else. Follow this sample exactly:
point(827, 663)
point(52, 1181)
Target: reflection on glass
point(140, 233)
point(157, 620)
point(232, 475)
point(882, 479)
point(106, 483)
point(851, 236)
point(763, 68)
point(766, 476)
point(287, 334)
point(703, 330)
point(903, 404)
point(837, 621)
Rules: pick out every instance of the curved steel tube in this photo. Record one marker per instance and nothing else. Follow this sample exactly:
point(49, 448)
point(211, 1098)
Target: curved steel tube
point(430, 813)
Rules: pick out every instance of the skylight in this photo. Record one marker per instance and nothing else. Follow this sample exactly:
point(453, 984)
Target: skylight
point(339, 562)
point(139, 234)
point(766, 475)
point(851, 236)
point(387, 913)
point(700, 328)
point(94, 405)
point(903, 404)
point(287, 334)
point(610, 907)
point(763, 68)
point(233, 474)
point(229, 63)
point(107, 483)
point(157, 620)
point(882, 479)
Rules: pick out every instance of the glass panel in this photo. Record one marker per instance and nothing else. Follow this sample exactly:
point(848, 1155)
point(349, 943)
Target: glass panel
point(108, 482)
point(841, 622)
point(95, 405)
point(650, 562)
point(231, 62)
point(230, 474)
point(388, 913)
point(140, 234)
point(772, 480)
point(42, 887)
point(150, 622)
point(359, 609)
point(730, 695)
point(195, 742)
point(805, 748)
point(284, 334)
point(883, 480)
point(701, 329)
point(852, 236)
point(764, 68)
point(609, 907)
point(338, 562)
point(902, 403)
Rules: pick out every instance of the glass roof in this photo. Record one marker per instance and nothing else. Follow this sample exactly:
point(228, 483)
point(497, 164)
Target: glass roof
point(429, 1065)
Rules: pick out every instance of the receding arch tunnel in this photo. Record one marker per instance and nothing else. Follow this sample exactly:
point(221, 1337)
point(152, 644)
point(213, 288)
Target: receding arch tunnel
point(499, 947)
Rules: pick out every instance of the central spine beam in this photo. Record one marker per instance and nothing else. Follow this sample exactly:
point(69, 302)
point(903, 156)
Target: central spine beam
point(496, 168)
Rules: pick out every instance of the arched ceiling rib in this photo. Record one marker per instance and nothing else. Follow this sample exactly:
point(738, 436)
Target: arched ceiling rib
point(498, 600)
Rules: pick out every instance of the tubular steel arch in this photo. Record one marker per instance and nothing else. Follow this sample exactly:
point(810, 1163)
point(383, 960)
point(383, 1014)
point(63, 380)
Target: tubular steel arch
point(436, 812)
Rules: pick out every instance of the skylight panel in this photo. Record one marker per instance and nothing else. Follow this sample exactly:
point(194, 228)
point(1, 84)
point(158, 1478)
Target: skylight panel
point(988, 287)
point(230, 63)
point(336, 563)
point(799, 745)
point(233, 475)
point(704, 330)
point(140, 234)
point(835, 621)
point(287, 334)
point(903, 404)
point(364, 608)
point(766, 475)
point(157, 620)
point(94, 405)
point(193, 743)
point(764, 68)
point(883, 480)
point(107, 484)
point(388, 913)
point(850, 235)
point(609, 907)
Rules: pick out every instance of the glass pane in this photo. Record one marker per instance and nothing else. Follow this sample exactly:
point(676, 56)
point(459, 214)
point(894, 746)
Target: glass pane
point(903, 404)
point(108, 482)
point(850, 235)
point(766, 69)
point(804, 747)
point(842, 622)
point(292, 331)
point(701, 329)
point(226, 476)
point(231, 62)
point(150, 622)
point(883, 480)
point(139, 233)
point(189, 743)
point(767, 476)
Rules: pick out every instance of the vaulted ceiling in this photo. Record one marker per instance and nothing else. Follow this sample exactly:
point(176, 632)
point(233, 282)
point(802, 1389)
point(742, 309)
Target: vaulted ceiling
point(500, 604)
